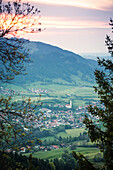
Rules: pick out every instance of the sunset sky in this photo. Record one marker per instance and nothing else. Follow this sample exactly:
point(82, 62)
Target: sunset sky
point(76, 25)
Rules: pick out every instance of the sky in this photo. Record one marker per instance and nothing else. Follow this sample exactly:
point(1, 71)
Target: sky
point(76, 25)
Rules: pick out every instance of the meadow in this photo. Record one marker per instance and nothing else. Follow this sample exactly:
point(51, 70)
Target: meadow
point(89, 152)
point(67, 133)
point(56, 93)
point(71, 132)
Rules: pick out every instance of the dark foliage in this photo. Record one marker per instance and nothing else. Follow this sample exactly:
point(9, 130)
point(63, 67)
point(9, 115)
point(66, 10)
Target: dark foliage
point(16, 19)
point(102, 136)
point(14, 160)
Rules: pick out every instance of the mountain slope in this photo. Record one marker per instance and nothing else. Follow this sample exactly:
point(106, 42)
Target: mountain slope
point(51, 64)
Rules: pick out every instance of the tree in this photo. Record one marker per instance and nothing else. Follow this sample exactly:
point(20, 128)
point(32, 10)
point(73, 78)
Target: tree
point(16, 19)
point(52, 166)
point(103, 136)
point(16, 118)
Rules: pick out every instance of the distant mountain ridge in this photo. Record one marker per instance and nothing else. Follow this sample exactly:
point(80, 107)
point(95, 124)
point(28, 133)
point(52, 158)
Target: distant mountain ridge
point(54, 65)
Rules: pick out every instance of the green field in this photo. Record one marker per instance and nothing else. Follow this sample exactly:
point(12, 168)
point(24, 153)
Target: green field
point(89, 152)
point(80, 95)
point(71, 132)
point(47, 138)
point(62, 93)
point(68, 133)
point(75, 132)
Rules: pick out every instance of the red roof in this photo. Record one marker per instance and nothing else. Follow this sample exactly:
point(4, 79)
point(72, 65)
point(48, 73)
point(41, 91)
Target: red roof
point(55, 146)
point(41, 147)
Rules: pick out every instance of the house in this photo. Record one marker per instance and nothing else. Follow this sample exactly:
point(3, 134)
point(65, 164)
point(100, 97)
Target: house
point(41, 148)
point(8, 150)
point(22, 149)
point(54, 147)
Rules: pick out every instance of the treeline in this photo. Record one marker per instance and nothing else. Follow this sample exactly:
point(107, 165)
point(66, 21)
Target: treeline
point(17, 161)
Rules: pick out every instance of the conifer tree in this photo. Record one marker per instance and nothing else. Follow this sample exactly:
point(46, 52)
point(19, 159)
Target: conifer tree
point(102, 135)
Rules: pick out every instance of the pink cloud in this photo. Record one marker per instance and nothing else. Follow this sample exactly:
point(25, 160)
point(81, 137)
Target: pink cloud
point(91, 4)
point(62, 22)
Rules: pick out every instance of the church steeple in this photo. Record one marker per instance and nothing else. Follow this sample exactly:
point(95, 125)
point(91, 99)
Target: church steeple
point(70, 103)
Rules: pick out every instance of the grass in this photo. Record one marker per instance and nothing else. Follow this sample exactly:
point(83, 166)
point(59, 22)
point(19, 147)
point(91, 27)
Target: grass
point(68, 133)
point(75, 132)
point(48, 138)
point(14, 87)
point(63, 93)
point(89, 152)
point(71, 132)
point(49, 154)
point(57, 89)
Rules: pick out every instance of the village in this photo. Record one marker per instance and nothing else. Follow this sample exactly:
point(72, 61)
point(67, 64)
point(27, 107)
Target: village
point(68, 118)
point(56, 115)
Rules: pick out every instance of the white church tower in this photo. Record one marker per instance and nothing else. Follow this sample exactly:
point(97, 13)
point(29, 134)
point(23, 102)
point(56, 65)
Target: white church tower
point(69, 105)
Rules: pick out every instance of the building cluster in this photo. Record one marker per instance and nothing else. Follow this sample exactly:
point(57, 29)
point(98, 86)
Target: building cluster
point(8, 92)
point(60, 116)
point(40, 148)
point(39, 91)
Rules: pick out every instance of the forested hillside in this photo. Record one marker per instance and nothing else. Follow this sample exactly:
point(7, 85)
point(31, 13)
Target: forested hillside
point(55, 65)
